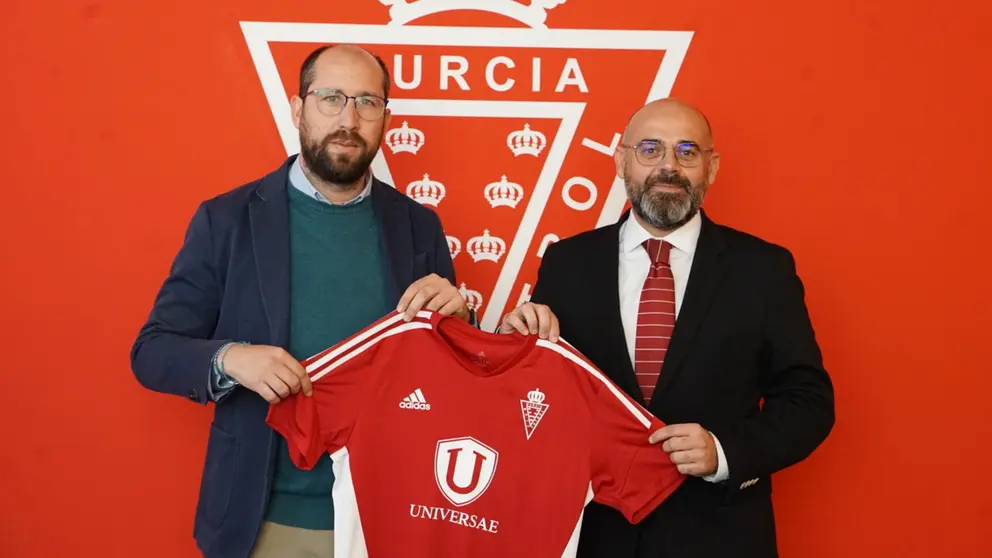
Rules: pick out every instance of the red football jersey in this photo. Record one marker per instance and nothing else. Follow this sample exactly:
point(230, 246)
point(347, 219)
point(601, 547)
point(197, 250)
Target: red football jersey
point(450, 441)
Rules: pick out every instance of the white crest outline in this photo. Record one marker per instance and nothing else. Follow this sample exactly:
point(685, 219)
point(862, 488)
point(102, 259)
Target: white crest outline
point(487, 473)
point(674, 44)
point(533, 409)
point(402, 12)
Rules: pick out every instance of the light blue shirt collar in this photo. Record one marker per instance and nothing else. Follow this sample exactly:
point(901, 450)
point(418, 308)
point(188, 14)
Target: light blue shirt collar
point(303, 184)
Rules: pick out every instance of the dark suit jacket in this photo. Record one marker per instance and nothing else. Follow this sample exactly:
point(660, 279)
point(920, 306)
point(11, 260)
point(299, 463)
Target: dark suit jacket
point(230, 281)
point(743, 335)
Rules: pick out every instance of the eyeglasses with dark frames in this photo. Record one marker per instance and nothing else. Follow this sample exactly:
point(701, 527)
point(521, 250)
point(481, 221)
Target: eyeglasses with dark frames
point(330, 102)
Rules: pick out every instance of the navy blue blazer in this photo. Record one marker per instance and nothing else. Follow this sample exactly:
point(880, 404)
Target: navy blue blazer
point(230, 282)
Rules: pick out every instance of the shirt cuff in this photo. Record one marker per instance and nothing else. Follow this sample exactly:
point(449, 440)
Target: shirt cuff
point(722, 469)
point(220, 384)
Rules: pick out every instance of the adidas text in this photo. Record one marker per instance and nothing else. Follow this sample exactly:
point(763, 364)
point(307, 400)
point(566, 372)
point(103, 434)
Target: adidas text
point(418, 406)
point(416, 401)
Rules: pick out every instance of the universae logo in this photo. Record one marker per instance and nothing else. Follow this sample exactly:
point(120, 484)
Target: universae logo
point(508, 195)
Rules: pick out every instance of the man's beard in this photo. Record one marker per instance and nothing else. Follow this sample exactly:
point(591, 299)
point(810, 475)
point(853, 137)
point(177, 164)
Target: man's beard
point(339, 168)
point(665, 210)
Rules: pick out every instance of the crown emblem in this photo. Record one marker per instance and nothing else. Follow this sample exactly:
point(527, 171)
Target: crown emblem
point(526, 141)
point(473, 299)
point(503, 193)
point(404, 139)
point(533, 410)
point(426, 191)
point(454, 246)
point(402, 12)
point(485, 247)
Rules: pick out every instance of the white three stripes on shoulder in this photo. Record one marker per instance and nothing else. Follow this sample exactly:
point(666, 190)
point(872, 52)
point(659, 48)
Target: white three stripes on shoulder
point(567, 353)
point(359, 339)
point(318, 368)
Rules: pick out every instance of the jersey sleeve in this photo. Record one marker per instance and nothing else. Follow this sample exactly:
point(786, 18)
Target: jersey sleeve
point(628, 473)
point(343, 377)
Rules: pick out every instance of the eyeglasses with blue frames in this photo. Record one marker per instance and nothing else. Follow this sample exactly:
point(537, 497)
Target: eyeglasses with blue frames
point(651, 153)
point(330, 102)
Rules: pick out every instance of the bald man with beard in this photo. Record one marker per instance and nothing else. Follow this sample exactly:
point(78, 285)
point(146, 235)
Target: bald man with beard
point(706, 327)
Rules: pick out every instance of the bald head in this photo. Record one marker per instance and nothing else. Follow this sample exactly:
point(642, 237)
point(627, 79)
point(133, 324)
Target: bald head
point(344, 55)
point(669, 113)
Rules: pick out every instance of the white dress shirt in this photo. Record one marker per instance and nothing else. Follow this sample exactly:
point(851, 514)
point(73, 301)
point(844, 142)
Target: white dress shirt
point(634, 266)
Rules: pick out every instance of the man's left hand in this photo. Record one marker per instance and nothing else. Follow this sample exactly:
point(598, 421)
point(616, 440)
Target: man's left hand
point(531, 318)
point(434, 293)
point(690, 447)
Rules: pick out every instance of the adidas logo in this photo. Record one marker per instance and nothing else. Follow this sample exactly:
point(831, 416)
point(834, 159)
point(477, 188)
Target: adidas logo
point(415, 401)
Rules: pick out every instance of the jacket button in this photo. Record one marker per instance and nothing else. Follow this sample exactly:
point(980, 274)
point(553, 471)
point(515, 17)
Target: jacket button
point(192, 395)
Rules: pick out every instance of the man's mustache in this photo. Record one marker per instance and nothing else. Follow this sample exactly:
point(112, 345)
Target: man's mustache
point(343, 136)
point(668, 178)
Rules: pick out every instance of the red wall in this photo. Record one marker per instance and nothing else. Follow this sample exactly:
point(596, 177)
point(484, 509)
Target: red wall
point(852, 132)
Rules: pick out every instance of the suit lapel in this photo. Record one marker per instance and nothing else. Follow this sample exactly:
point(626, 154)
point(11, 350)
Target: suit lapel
point(708, 269)
point(604, 282)
point(394, 226)
point(269, 218)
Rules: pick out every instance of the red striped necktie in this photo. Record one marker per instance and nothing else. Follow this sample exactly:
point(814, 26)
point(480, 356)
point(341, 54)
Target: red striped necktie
point(655, 318)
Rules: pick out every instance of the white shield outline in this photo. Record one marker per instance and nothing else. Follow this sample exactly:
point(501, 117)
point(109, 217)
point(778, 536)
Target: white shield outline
point(675, 44)
point(441, 466)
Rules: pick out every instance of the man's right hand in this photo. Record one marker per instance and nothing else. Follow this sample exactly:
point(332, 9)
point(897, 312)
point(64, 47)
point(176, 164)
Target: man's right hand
point(268, 371)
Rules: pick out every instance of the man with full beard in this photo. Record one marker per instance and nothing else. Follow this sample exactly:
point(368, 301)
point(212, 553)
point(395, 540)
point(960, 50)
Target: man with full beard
point(273, 272)
point(706, 327)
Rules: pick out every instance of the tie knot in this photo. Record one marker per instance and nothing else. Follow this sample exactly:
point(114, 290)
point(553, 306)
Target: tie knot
point(658, 250)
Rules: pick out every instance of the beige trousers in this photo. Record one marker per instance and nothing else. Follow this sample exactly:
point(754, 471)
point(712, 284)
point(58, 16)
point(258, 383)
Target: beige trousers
point(282, 541)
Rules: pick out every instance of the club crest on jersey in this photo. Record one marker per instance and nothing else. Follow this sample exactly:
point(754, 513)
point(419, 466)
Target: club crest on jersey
point(533, 409)
point(464, 468)
point(506, 132)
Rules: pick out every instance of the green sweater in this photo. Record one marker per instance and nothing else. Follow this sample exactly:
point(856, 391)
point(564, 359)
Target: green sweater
point(338, 286)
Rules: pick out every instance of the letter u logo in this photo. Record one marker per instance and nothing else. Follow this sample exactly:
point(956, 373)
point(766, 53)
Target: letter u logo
point(464, 468)
point(476, 471)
